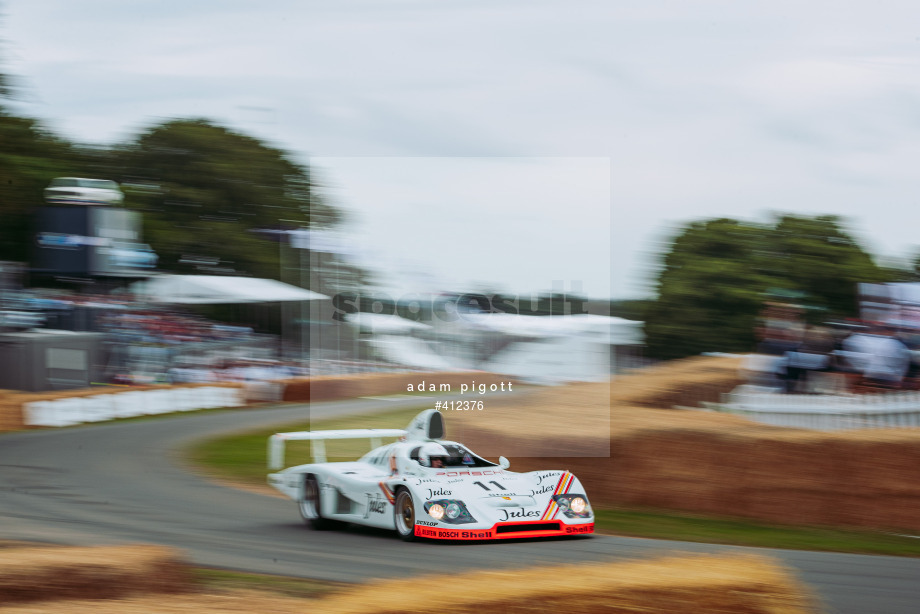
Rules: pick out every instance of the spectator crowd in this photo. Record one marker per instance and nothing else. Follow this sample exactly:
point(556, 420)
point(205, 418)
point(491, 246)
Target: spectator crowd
point(851, 356)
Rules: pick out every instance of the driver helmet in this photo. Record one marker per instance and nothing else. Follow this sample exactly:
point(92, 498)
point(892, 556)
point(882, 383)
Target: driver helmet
point(431, 452)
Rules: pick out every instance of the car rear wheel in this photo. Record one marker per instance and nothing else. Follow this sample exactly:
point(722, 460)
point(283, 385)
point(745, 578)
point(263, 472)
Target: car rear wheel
point(310, 508)
point(404, 514)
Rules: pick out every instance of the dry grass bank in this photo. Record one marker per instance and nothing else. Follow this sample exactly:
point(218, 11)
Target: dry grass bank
point(689, 584)
point(38, 573)
point(703, 462)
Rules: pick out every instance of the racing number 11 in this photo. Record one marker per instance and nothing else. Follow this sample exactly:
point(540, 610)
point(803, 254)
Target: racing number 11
point(500, 487)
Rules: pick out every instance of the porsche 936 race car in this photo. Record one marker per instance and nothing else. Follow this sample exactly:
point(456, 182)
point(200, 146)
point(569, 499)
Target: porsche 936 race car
point(424, 486)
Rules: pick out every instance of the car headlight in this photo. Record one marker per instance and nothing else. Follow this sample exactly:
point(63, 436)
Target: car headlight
point(449, 510)
point(573, 506)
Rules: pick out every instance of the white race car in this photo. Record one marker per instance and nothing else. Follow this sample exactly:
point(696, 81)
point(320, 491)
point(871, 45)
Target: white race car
point(83, 191)
point(425, 486)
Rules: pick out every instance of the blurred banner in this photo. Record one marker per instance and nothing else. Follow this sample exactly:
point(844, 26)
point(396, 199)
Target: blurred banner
point(91, 241)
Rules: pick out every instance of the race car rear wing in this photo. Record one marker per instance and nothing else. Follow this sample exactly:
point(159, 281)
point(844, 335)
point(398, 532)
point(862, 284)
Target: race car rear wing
point(276, 442)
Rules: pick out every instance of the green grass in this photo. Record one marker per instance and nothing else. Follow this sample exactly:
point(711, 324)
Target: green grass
point(242, 458)
point(220, 579)
point(659, 524)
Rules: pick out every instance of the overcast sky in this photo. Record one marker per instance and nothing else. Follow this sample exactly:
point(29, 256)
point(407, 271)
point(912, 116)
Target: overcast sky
point(569, 139)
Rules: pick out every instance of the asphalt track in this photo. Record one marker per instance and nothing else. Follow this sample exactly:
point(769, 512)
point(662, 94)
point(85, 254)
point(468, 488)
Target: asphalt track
point(123, 483)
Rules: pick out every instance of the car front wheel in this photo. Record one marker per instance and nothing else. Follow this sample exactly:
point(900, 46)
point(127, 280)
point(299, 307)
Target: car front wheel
point(310, 508)
point(404, 515)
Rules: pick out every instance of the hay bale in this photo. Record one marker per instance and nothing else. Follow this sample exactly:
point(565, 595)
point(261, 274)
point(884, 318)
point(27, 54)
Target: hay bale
point(688, 584)
point(224, 602)
point(10, 415)
point(40, 573)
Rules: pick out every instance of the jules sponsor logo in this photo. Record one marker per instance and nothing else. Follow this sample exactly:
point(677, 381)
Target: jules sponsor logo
point(546, 476)
point(519, 513)
point(375, 505)
point(438, 492)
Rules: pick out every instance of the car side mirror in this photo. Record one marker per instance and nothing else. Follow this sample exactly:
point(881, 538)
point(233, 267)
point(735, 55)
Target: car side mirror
point(503, 462)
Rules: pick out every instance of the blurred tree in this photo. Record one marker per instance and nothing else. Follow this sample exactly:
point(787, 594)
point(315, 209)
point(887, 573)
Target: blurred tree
point(910, 273)
point(817, 256)
point(30, 157)
point(630, 309)
point(204, 189)
point(715, 275)
point(6, 86)
point(708, 290)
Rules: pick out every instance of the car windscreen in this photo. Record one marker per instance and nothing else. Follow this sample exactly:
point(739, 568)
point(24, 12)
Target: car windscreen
point(99, 184)
point(458, 456)
point(64, 182)
point(461, 457)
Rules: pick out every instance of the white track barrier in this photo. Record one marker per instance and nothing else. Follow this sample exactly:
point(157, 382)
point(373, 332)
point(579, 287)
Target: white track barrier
point(823, 412)
point(100, 408)
point(77, 410)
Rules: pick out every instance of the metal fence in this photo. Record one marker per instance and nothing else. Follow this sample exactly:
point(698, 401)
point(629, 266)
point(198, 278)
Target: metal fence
point(823, 411)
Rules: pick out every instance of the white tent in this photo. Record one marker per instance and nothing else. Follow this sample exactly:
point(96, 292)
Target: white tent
point(382, 324)
point(600, 329)
point(214, 289)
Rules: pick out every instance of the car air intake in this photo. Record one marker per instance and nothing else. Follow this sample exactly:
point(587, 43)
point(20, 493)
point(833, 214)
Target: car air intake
point(436, 426)
point(525, 528)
